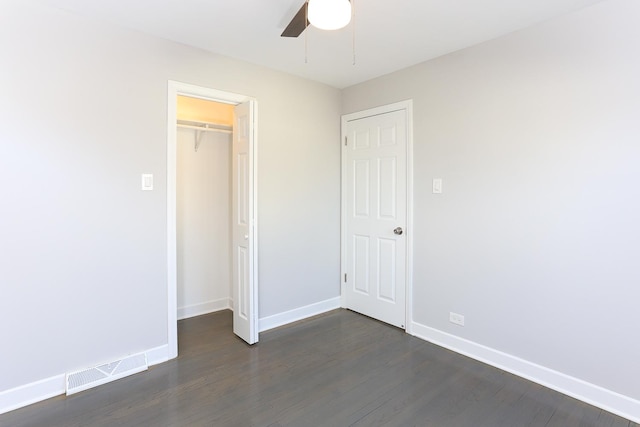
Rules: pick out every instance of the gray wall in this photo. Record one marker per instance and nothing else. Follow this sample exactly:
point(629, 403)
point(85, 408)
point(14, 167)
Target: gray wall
point(536, 238)
point(83, 256)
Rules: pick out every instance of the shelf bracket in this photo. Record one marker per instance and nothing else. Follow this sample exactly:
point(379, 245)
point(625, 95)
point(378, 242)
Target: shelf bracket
point(199, 134)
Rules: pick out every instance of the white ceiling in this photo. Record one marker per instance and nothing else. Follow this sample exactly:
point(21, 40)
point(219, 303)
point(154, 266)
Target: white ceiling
point(389, 34)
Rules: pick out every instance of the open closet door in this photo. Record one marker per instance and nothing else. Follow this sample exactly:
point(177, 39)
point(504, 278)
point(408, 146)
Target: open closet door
point(243, 220)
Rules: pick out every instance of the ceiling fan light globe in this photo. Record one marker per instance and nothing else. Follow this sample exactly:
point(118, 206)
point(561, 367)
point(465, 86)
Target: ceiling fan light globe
point(329, 14)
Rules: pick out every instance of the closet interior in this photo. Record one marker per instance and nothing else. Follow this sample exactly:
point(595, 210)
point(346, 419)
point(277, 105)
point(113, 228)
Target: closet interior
point(203, 201)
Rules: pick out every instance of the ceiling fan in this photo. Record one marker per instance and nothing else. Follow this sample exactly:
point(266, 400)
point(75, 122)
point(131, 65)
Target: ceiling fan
point(323, 14)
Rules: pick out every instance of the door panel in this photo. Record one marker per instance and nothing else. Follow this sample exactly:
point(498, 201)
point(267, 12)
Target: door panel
point(361, 264)
point(243, 283)
point(376, 200)
point(361, 188)
point(243, 233)
point(242, 189)
point(388, 187)
point(387, 267)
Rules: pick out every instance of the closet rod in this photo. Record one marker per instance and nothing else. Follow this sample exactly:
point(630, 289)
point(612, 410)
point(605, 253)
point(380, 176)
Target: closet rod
point(205, 127)
point(201, 127)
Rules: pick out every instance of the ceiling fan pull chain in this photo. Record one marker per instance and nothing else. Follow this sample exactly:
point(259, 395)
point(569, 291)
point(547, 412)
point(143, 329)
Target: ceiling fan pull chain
point(306, 33)
point(353, 24)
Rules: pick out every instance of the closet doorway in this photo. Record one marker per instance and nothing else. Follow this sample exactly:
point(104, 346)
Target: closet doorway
point(203, 206)
point(212, 241)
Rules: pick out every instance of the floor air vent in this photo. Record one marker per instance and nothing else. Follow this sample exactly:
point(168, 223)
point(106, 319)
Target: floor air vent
point(92, 377)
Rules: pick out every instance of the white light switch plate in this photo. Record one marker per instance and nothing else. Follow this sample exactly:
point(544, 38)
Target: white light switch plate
point(147, 181)
point(437, 185)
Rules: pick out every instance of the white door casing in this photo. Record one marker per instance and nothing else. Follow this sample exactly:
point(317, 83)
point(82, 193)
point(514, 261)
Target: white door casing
point(242, 230)
point(376, 213)
point(174, 89)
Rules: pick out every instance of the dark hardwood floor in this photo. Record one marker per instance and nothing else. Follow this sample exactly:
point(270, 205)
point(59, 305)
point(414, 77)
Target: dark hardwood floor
point(338, 369)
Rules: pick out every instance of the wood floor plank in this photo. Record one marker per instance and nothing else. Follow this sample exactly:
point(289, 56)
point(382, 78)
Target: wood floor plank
point(337, 369)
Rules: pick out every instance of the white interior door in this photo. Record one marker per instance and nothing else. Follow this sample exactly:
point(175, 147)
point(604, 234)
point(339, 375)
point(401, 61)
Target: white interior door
point(243, 230)
point(375, 215)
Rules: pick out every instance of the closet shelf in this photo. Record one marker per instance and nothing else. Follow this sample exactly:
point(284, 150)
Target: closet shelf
point(201, 127)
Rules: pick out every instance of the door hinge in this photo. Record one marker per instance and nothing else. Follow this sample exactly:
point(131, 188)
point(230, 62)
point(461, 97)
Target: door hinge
point(345, 277)
point(345, 141)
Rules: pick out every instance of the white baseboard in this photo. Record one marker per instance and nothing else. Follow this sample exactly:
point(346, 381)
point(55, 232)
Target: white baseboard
point(158, 355)
point(47, 388)
point(590, 393)
point(294, 315)
point(203, 308)
point(31, 393)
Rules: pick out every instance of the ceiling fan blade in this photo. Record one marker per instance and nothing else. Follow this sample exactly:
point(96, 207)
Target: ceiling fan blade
point(297, 24)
